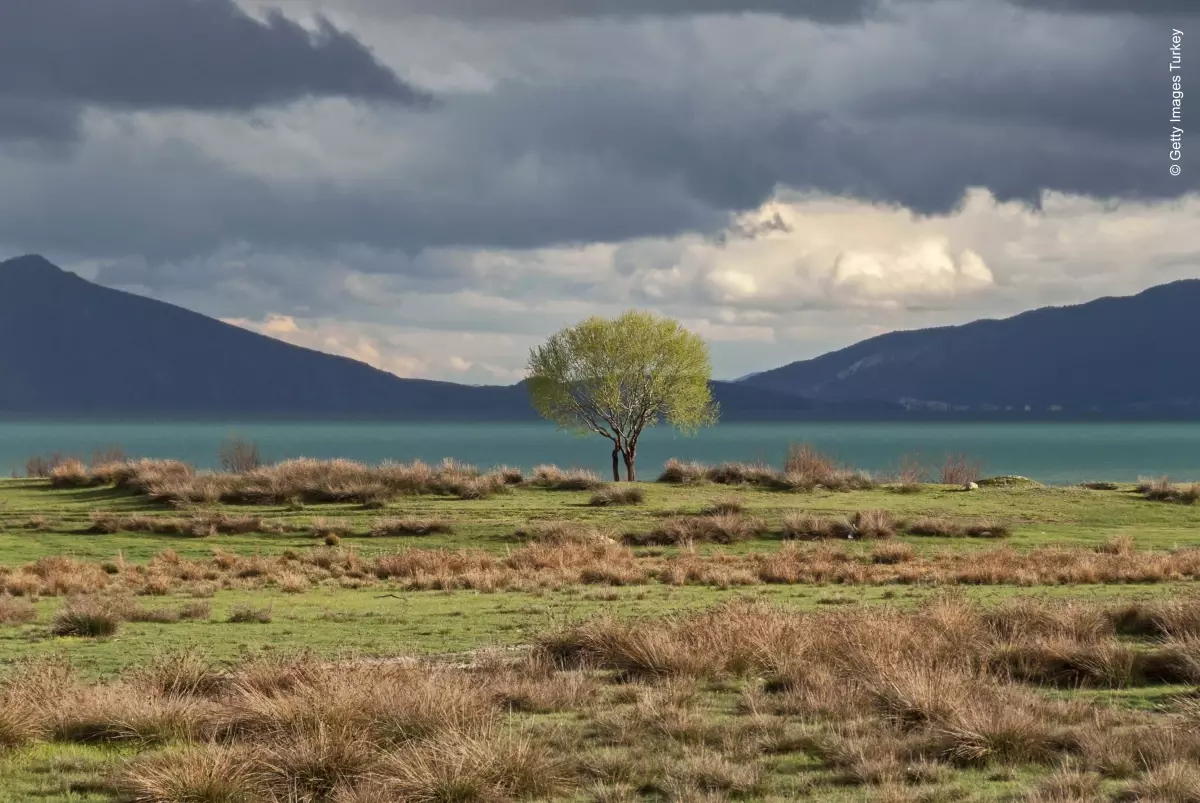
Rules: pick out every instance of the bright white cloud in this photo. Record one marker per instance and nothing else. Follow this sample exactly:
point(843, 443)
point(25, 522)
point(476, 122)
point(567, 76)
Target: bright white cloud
point(802, 275)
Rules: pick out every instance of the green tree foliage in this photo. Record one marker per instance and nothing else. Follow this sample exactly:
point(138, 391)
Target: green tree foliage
point(617, 377)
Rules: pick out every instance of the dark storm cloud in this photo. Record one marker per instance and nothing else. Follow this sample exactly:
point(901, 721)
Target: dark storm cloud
point(821, 11)
point(913, 111)
point(58, 56)
point(826, 11)
point(36, 119)
point(1142, 7)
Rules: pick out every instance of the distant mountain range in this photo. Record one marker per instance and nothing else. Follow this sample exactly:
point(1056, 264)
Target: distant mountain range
point(72, 348)
point(1115, 355)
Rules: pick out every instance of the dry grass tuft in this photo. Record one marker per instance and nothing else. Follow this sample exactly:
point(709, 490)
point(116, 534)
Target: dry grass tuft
point(299, 481)
point(409, 525)
point(807, 527)
point(806, 469)
point(322, 527)
point(910, 475)
point(210, 774)
point(86, 617)
point(727, 504)
point(680, 472)
point(713, 705)
point(942, 527)
point(1176, 782)
point(614, 495)
point(473, 770)
point(238, 455)
point(248, 614)
point(16, 610)
point(1163, 490)
point(40, 466)
point(554, 478)
point(562, 533)
point(959, 469)
point(71, 473)
point(718, 528)
point(199, 525)
point(892, 552)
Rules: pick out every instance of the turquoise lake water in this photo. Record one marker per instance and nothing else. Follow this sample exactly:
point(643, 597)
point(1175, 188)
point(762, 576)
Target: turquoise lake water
point(1059, 453)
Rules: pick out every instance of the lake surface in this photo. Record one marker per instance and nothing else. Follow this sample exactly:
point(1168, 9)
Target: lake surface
point(1058, 453)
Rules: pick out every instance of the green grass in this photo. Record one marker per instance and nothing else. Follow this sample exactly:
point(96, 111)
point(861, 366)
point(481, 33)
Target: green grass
point(37, 522)
point(342, 623)
point(58, 773)
point(1039, 516)
point(331, 619)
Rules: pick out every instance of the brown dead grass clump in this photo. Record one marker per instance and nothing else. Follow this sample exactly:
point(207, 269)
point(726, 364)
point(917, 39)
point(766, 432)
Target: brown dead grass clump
point(807, 469)
point(210, 774)
point(554, 478)
point(409, 525)
point(717, 528)
point(248, 614)
point(892, 552)
point(199, 525)
point(959, 469)
point(905, 692)
point(40, 466)
point(86, 618)
point(562, 532)
point(943, 527)
point(1163, 490)
point(699, 706)
point(910, 475)
point(302, 480)
point(808, 527)
point(864, 524)
point(302, 729)
point(238, 455)
point(72, 473)
point(681, 472)
point(16, 610)
point(563, 554)
point(615, 495)
point(756, 474)
point(324, 528)
point(727, 504)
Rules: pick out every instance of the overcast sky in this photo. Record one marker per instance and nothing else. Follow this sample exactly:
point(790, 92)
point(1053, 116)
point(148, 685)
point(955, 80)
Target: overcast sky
point(433, 186)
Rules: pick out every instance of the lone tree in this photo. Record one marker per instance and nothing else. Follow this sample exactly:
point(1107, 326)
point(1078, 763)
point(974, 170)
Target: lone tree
point(617, 377)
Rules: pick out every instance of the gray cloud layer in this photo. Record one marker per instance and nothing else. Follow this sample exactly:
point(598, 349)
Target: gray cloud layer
point(697, 121)
point(611, 133)
point(59, 56)
point(831, 11)
point(1145, 7)
point(822, 11)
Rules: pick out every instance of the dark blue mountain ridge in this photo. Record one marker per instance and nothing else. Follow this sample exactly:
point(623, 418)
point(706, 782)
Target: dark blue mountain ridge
point(1114, 354)
point(70, 348)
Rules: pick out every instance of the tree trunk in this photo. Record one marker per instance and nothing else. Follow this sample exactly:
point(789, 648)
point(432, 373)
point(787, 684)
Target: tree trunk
point(630, 468)
point(616, 465)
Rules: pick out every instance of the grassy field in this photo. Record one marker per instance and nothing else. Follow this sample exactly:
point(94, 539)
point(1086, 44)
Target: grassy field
point(758, 670)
